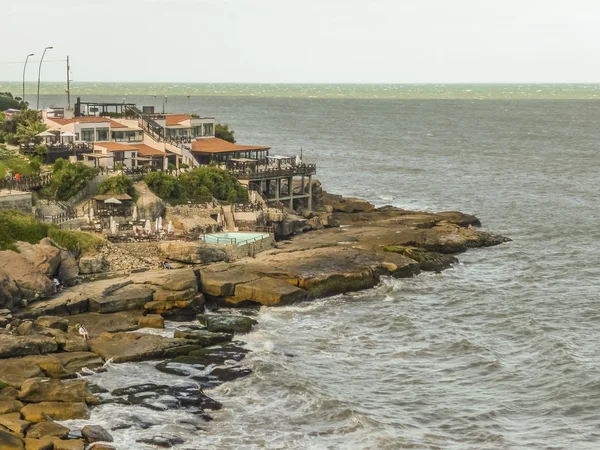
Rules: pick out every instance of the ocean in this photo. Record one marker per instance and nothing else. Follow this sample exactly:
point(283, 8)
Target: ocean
point(499, 352)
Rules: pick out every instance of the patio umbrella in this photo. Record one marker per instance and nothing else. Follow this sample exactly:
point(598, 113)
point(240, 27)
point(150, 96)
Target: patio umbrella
point(170, 227)
point(68, 134)
point(134, 216)
point(113, 201)
point(159, 224)
point(91, 214)
point(156, 225)
point(298, 160)
point(113, 226)
point(45, 134)
point(148, 227)
point(218, 218)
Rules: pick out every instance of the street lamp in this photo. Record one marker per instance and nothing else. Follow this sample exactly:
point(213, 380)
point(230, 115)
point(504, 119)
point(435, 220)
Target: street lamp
point(39, 74)
point(24, 67)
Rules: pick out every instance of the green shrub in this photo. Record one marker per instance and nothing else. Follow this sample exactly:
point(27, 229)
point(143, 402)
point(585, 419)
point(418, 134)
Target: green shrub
point(120, 184)
point(69, 179)
point(198, 185)
point(17, 226)
point(222, 131)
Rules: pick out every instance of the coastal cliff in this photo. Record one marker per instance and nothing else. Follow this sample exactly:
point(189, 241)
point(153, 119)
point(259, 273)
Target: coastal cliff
point(40, 342)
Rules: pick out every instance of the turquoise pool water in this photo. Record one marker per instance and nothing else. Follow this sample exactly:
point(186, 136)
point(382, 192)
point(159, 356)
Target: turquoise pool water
point(236, 238)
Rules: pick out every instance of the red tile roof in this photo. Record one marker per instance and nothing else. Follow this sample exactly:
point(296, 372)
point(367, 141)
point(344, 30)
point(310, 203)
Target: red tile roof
point(216, 145)
point(176, 119)
point(116, 146)
point(146, 150)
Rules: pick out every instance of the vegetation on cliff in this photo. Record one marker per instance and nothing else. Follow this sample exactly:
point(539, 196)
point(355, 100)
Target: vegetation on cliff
point(10, 162)
point(17, 226)
point(22, 128)
point(68, 179)
point(120, 184)
point(198, 185)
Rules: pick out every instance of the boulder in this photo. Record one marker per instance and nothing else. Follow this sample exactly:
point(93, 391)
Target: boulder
point(227, 324)
point(39, 444)
point(203, 337)
point(10, 406)
point(57, 323)
point(25, 328)
point(36, 412)
point(222, 283)
point(178, 280)
point(164, 295)
point(127, 298)
point(76, 361)
point(10, 294)
point(13, 422)
point(91, 264)
point(8, 392)
point(9, 441)
point(95, 433)
point(182, 308)
point(15, 371)
point(68, 270)
point(267, 291)
point(347, 205)
point(65, 303)
point(102, 447)
point(47, 429)
point(44, 257)
point(193, 252)
point(152, 321)
point(12, 345)
point(38, 390)
point(5, 314)
point(96, 323)
point(20, 272)
point(125, 347)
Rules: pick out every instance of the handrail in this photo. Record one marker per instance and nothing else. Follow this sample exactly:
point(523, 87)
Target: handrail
point(27, 182)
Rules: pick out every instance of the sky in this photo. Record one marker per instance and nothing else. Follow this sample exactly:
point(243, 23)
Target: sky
point(308, 41)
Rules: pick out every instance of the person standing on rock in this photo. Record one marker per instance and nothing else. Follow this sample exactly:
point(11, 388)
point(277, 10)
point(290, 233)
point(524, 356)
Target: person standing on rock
point(82, 331)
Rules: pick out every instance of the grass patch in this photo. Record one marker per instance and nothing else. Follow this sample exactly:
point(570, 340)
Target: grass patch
point(16, 226)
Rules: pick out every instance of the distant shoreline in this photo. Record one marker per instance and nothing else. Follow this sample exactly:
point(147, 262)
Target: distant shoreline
point(406, 91)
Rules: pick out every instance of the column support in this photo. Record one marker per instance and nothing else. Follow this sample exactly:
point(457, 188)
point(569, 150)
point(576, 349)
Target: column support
point(291, 191)
point(310, 192)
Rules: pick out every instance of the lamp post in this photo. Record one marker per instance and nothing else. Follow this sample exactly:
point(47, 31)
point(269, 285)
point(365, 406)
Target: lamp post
point(39, 75)
point(25, 67)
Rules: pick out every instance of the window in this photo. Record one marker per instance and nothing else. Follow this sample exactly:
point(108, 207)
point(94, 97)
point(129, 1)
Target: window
point(87, 135)
point(102, 135)
point(208, 129)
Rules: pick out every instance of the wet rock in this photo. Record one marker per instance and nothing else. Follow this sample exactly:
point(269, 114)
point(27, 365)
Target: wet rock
point(227, 324)
point(207, 375)
point(162, 397)
point(10, 441)
point(127, 298)
point(75, 361)
point(220, 353)
point(103, 447)
point(221, 375)
point(429, 261)
point(162, 441)
point(152, 321)
point(40, 390)
point(203, 337)
point(490, 239)
point(124, 347)
point(47, 429)
point(37, 412)
point(95, 433)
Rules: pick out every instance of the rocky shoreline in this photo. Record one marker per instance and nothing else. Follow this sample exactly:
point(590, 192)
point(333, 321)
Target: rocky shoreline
point(41, 354)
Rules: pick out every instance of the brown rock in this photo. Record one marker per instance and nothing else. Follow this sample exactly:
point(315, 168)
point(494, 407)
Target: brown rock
point(35, 412)
point(31, 282)
point(49, 390)
point(47, 429)
point(68, 270)
point(75, 361)
point(193, 252)
point(57, 323)
point(9, 441)
point(91, 264)
point(96, 323)
point(9, 393)
point(222, 283)
point(267, 291)
point(124, 347)
point(11, 345)
point(127, 298)
point(10, 406)
point(14, 423)
point(95, 433)
point(152, 321)
point(164, 295)
point(44, 257)
point(74, 444)
point(39, 444)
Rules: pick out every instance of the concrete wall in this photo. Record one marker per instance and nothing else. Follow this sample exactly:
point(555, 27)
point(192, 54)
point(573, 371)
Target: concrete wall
point(18, 201)
point(242, 251)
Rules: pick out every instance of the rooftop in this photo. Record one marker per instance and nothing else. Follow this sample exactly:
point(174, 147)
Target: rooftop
point(116, 146)
point(176, 119)
point(216, 145)
point(146, 150)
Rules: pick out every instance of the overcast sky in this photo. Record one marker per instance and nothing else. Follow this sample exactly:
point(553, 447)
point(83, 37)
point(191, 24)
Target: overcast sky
point(308, 41)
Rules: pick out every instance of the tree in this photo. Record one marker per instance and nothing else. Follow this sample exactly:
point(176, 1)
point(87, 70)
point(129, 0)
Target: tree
point(222, 131)
point(68, 179)
point(120, 184)
point(27, 132)
point(8, 102)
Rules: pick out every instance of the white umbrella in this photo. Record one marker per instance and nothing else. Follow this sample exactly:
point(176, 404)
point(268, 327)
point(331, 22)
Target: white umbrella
point(135, 213)
point(113, 225)
point(68, 134)
point(91, 213)
point(170, 227)
point(156, 225)
point(113, 201)
point(253, 196)
point(298, 160)
point(218, 218)
point(159, 224)
point(45, 134)
point(148, 227)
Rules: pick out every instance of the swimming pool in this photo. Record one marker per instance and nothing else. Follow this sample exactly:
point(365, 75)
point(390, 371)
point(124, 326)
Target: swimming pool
point(236, 238)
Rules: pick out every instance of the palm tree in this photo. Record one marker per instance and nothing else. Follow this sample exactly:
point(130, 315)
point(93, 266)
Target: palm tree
point(27, 132)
